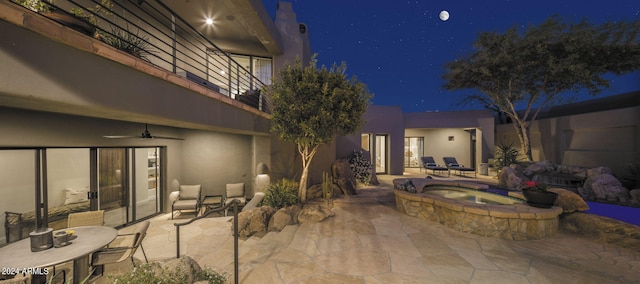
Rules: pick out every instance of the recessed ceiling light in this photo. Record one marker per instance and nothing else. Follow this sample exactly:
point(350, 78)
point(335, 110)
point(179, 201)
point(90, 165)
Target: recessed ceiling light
point(209, 21)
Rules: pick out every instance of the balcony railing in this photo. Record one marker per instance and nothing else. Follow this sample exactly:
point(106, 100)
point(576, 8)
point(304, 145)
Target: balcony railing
point(151, 31)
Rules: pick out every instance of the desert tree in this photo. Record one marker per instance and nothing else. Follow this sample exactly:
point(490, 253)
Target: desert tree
point(522, 71)
point(312, 105)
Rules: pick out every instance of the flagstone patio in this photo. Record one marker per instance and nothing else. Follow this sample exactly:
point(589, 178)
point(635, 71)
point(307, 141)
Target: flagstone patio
point(369, 241)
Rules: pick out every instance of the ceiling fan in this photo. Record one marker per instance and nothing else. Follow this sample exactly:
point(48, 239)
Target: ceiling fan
point(144, 135)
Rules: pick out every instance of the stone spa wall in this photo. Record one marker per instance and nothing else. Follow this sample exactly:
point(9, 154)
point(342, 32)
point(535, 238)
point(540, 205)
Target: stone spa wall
point(511, 222)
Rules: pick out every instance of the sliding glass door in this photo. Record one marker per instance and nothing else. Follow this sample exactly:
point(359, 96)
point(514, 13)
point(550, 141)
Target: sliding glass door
point(130, 183)
point(68, 180)
point(18, 184)
point(113, 186)
point(125, 182)
point(413, 151)
point(147, 182)
point(381, 153)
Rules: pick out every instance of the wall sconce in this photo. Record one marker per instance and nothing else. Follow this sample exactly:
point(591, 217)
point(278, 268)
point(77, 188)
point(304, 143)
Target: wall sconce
point(451, 138)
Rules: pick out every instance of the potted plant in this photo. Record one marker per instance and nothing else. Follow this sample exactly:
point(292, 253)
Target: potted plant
point(127, 41)
point(69, 19)
point(537, 195)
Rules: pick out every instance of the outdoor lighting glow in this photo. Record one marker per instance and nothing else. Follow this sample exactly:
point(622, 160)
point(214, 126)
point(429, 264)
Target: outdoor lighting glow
point(221, 72)
point(209, 21)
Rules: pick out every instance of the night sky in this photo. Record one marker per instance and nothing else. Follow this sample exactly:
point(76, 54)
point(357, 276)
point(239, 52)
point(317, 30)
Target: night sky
point(399, 48)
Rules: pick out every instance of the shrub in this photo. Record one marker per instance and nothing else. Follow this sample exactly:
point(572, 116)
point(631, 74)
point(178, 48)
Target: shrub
point(505, 155)
point(153, 273)
point(361, 167)
point(281, 194)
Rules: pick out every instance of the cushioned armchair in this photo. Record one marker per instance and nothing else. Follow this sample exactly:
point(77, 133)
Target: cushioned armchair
point(234, 191)
point(188, 198)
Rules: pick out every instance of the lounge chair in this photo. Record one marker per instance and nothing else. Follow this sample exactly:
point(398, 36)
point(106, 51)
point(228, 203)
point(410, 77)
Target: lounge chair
point(452, 164)
point(428, 163)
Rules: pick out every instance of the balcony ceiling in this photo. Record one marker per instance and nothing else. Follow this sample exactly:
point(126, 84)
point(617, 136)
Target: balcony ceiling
point(239, 26)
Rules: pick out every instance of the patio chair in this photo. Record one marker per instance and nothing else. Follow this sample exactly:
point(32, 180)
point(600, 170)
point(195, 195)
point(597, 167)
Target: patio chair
point(123, 247)
point(234, 191)
point(88, 218)
point(452, 164)
point(428, 163)
point(188, 198)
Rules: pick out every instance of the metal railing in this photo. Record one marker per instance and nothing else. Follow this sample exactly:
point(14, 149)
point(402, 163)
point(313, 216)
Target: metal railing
point(233, 205)
point(153, 32)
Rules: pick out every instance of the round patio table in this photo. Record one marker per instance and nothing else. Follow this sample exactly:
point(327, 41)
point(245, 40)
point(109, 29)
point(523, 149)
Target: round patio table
point(18, 255)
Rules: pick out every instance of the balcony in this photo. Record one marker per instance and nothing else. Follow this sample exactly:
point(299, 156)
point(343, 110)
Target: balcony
point(153, 43)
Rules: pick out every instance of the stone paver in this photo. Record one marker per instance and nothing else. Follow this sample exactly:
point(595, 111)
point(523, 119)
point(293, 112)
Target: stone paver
point(369, 241)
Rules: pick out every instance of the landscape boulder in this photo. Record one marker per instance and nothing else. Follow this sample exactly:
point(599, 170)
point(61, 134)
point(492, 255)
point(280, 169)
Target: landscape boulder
point(606, 187)
point(185, 264)
point(510, 178)
point(569, 200)
point(635, 196)
point(603, 229)
point(284, 217)
point(315, 191)
point(315, 213)
point(599, 171)
point(254, 221)
point(343, 177)
point(539, 167)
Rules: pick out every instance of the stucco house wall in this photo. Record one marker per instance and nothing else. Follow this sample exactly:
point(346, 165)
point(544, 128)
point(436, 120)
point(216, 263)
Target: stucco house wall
point(601, 132)
point(435, 127)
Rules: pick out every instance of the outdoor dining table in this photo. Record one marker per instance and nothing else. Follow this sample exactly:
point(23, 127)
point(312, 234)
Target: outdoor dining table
point(18, 255)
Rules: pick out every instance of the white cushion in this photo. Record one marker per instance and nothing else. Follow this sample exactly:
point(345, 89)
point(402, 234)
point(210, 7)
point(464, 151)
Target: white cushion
point(76, 195)
point(190, 191)
point(185, 204)
point(235, 190)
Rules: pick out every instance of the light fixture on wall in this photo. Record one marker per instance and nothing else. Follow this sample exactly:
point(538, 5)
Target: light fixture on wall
point(451, 138)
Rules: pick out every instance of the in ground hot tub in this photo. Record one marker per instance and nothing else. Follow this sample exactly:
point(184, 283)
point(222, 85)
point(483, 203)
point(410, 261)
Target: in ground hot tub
point(465, 207)
point(470, 195)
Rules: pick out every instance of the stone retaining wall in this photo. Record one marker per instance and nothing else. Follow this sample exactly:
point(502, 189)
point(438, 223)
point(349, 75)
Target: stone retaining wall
point(511, 222)
point(603, 229)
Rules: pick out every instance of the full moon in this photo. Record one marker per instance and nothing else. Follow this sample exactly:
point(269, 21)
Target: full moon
point(444, 15)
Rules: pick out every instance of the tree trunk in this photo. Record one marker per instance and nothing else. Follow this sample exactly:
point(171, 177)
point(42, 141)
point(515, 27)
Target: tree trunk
point(307, 155)
point(302, 190)
point(522, 129)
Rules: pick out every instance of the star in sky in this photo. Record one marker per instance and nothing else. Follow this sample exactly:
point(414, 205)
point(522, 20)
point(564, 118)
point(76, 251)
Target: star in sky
point(399, 48)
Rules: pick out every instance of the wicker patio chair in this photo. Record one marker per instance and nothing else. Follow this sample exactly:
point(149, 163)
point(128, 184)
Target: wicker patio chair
point(88, 218)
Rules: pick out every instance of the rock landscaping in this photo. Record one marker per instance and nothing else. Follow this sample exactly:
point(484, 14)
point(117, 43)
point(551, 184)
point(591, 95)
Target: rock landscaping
point(593, 184)
point(598, 184)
